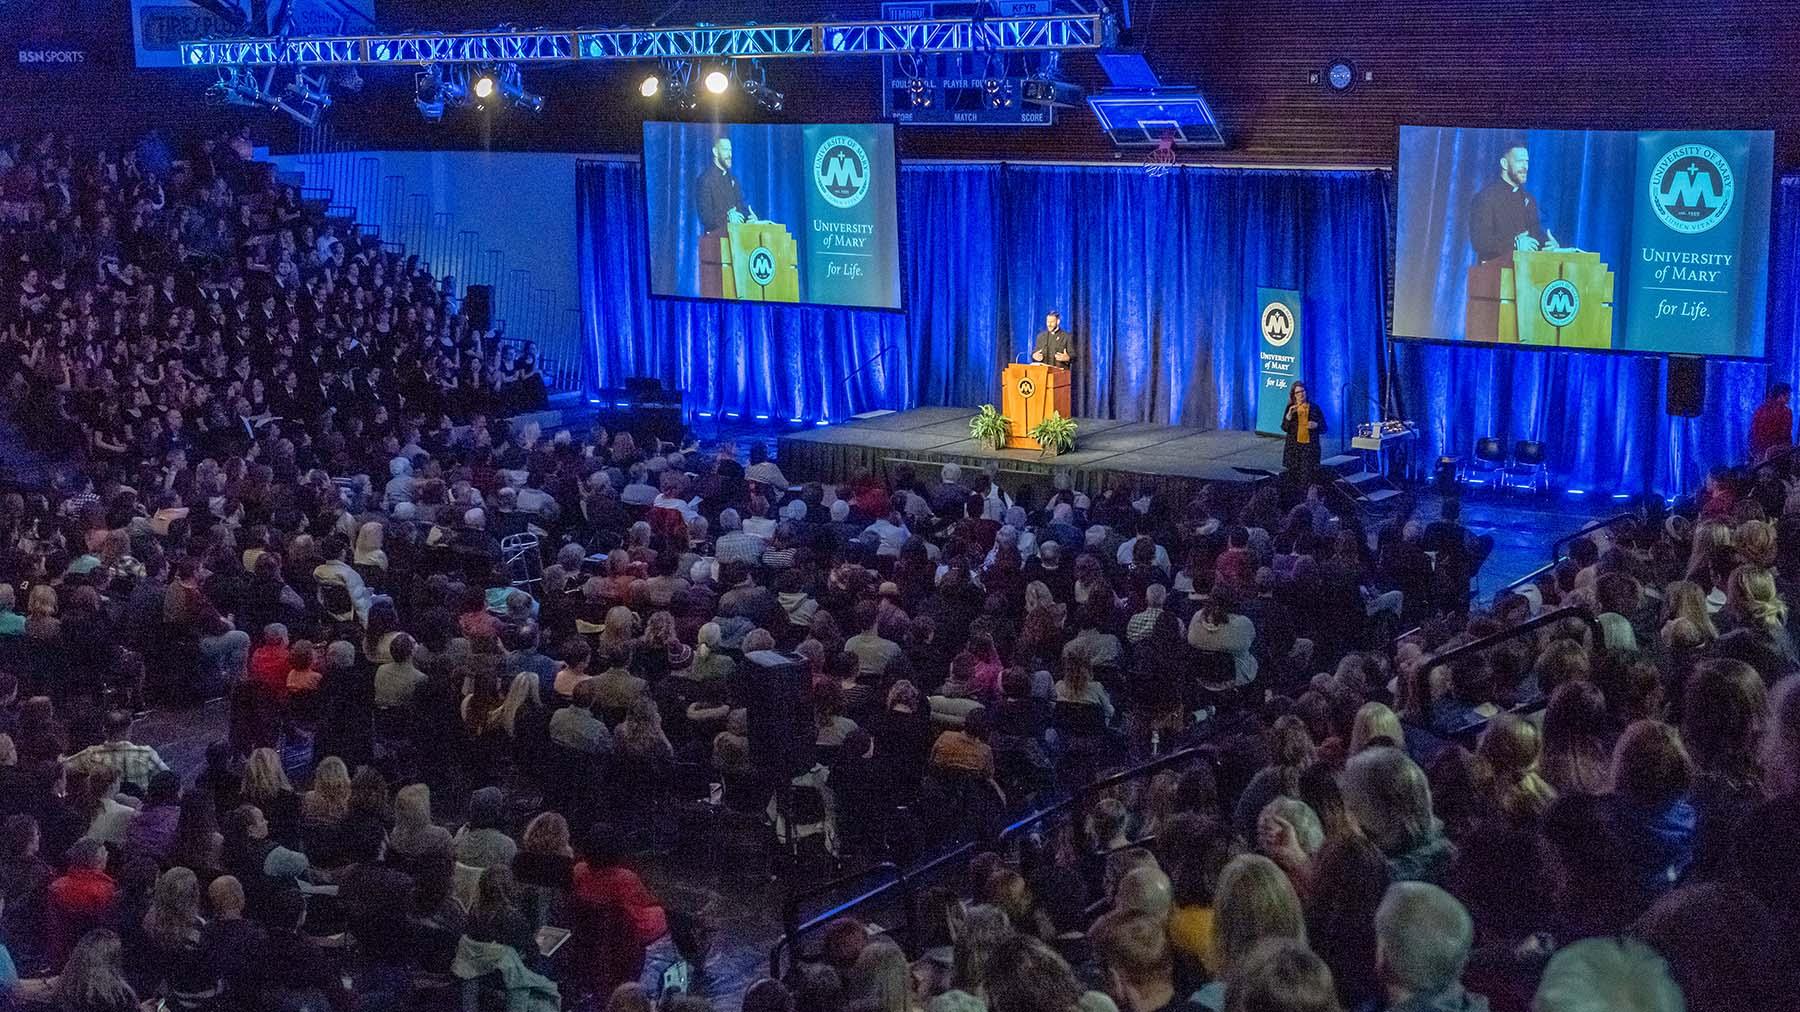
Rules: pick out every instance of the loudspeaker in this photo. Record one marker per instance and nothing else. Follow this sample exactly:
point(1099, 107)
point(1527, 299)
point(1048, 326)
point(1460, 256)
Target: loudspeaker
point(1687, 387)
point(478, 306)
point(776, 690)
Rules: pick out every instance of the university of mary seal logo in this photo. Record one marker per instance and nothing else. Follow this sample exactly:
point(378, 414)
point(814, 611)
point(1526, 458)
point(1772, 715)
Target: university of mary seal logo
point(1027, 388)
point(762, 266)
point(841, 171)
point(1277, 324)
point(1560, 303)
point(1691, 188)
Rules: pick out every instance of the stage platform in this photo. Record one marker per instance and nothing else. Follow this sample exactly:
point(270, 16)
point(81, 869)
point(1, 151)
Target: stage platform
point(1107, 453)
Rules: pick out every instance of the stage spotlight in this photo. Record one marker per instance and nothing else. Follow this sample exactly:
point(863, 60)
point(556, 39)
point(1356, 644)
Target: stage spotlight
point(484, 85)
point(512, 88)
point(770, 99)
point(650, 86)
point(717, 81)
point(919, 93)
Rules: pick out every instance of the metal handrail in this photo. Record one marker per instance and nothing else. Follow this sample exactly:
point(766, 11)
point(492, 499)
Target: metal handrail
point(903, 878)
point(1556, 556)
point(1529, 625)
point(790, 908)
point(1557, 546)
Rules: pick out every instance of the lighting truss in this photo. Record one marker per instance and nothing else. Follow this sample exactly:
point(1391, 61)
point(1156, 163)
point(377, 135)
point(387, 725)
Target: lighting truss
point(1049, 33)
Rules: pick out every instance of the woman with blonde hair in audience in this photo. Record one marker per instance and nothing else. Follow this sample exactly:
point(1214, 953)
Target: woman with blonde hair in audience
point(1711, 556)
point(1755, 543)
point(172, 929)
point(1254, 903)
point(266, 786)
point(1685, 599)
point(368, 551)
point(521, 714)
point(1752, 602)
point(41, 622)
point(92, 979)
point(1512, 748)
point(710, 661)
point(1390, 798)
point(415, 837)
point(640, 734)
point(880, 980)
point(545, 864)
point(329, 800)
point(1375, 721)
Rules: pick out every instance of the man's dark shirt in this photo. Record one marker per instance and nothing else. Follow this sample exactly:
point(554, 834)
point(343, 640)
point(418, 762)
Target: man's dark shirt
point(719, 195)
point(1496, 217)
point(1275, 625)
point(1050, 345)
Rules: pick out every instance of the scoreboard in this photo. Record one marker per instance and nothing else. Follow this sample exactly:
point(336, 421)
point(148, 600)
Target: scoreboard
point(952, 89)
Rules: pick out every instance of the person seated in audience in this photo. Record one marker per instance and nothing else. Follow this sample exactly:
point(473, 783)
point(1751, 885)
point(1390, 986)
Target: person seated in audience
point(480, 843)
point(579, 725)
point(83, 897)
point(1254, 903)
point(1423, 938)
point(135, 764)
point(1610, 974)
point(152, 831)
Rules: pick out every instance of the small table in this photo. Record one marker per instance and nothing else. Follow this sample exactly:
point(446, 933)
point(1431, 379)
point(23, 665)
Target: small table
point(1375, 447)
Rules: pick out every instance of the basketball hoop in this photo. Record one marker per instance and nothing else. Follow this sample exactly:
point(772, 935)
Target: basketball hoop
point(1161, 159)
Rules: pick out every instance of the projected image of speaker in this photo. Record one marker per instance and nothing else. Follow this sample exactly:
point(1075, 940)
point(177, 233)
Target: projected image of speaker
point(1687, 387)
point(1641, 242)
point(775, 688)
point(478, 306)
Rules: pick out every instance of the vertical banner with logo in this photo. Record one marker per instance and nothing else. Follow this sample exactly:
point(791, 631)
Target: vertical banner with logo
point(1687, 236)
point(1278, 354)
point(847, 260)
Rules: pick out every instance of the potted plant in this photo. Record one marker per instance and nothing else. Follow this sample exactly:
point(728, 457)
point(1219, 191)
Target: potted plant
point(1055, 434)
point(989, 427)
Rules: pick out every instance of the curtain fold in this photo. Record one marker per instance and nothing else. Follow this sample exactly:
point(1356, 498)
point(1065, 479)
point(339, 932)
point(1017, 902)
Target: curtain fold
point(1157, 277)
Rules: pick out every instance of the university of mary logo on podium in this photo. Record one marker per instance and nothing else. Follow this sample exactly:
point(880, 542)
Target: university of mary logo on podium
point(841, 171)
point(1277, 324)
point(1691, 188)
point(1560, 302)
point(762, 266)
point(1027, 388)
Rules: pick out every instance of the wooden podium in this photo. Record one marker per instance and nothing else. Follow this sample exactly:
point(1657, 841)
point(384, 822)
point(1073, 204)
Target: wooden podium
point(1028, 393)
point(756, 261)
point(1520, 300)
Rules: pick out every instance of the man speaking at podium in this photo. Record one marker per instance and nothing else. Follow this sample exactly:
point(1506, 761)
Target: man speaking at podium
point(720, 198)
point(1504, 217)
point(1053, 344)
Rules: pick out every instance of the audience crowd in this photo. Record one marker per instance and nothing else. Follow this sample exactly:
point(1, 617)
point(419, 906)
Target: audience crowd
point(501, 662)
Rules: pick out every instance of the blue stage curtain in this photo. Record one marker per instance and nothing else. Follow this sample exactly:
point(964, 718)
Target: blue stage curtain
point(1157, 278)
point(1604, 417)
